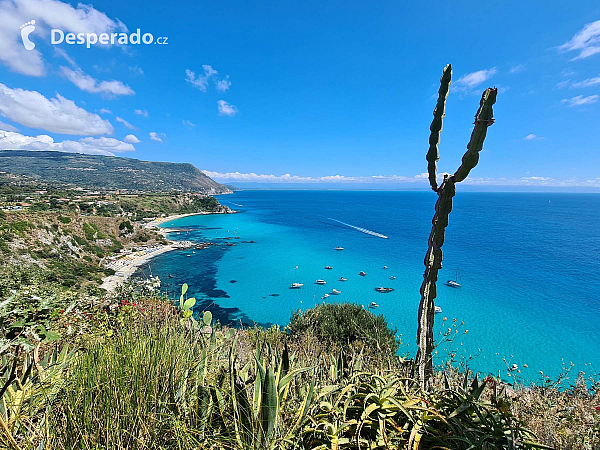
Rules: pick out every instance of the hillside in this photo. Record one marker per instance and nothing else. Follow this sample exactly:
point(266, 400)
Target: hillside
point(108, 172)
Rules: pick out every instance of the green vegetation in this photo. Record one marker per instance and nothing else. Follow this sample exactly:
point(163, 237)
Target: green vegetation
point(146, 374)
point(108, 172)
point(345, 326)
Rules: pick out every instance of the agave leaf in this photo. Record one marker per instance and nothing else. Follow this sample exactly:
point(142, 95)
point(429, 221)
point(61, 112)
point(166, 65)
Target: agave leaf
point(269, 406)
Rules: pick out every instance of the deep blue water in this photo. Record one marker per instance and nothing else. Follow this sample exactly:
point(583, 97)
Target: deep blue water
point(529, 265)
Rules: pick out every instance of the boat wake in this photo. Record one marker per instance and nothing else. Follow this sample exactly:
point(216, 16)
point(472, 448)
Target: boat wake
point(362, 230)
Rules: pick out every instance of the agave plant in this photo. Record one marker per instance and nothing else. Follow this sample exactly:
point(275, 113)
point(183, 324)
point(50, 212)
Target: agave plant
point(27, 388)
point(375, 411)
point(252, 405)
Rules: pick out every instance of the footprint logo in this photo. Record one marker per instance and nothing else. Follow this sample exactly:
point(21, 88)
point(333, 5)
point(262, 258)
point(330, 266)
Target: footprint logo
point(26, 30)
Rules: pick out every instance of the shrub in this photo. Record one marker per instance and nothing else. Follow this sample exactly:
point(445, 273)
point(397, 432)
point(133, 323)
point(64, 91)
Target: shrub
point(344, 325)
point(64, 219)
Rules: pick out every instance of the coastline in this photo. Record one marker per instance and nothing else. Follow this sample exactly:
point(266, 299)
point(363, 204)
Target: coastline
point(126, 265)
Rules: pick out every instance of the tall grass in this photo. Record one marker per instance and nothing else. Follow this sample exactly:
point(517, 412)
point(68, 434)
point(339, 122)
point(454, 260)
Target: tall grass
point(138, 389)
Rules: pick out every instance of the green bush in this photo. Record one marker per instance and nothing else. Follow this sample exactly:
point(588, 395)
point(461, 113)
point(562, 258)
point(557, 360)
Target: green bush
point(343, 325)
point(64, 219)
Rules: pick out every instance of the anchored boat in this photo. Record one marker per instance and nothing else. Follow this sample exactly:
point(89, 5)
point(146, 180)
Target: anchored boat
point(384, 289)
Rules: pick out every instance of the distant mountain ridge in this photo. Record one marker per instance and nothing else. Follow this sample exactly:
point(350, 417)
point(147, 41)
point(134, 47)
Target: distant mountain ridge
point(108, 172)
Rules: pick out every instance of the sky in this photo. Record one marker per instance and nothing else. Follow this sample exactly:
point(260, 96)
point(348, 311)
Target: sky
point(334, 94)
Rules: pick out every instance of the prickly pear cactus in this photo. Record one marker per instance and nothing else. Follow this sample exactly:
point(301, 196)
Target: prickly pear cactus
point(443, 207)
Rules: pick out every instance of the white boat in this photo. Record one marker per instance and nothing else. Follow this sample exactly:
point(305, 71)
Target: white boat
point(513, 368)
point(385, 267)
point(373, 305)
point(438, 309)
point(328, 267)
point(339, 248)
point(454, 283)
point(321, 282)
point(384, 289)
point(392, 277)
point(343, 279)
point(325, 295)
point(335, 292)
point(296, 285)
point(362, 274)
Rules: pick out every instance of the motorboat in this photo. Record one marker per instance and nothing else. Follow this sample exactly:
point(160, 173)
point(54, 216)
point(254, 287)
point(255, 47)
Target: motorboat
point(343, 279)
point(384, 289)
point(335, 292)
point(328, 267)
point(513, 368)
point(321, 282)
point(438, 309)
point(325, 295)
point(385, 267)
point(373, 305)
point(296, 285)
point(362, 274)
point(392, 277)
point(339, 248)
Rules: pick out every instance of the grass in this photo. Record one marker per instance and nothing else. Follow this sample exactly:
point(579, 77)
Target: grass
point(142, 378)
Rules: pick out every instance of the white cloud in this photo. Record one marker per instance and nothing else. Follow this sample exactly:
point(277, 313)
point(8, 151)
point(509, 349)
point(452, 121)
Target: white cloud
point(132, 139)
point(47, 14)
point(187, 123)
point(518, 68)
point(419, 179)
point(124, 122)
point(201, 81)
point(105, 111)
point(586, 41)
point(580, 100)
point(6, 127)
point(223, 85)
point(533, 137)
point(89, 145)
point(59, 115)
point(474, 79)
point(563, 84)
point(586, 83)
point(87, 83)
point(60, 52)
point(140, 112)
point(136, 70)
point(226, 109)
point(154, 136)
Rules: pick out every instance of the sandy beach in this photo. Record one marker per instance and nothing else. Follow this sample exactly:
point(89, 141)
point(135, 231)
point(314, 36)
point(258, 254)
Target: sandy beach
point(126, 265)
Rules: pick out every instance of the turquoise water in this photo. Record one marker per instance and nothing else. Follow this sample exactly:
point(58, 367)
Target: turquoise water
point(528, 263)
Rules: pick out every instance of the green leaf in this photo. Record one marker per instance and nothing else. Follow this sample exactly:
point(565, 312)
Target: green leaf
point(207, 318)
point(52, 336)
point(189, 303)
point(187, 313)
point(184, 288)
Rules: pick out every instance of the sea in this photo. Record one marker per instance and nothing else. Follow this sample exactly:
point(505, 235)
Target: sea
point(528, 265)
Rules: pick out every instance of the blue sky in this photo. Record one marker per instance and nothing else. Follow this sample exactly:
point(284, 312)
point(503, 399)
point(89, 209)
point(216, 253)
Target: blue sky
point(338, 94)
